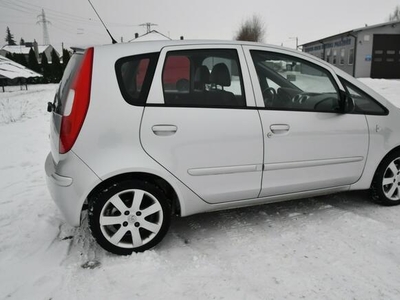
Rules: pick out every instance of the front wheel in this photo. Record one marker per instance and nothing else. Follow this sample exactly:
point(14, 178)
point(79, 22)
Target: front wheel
point(386, 183)
point(131, 216)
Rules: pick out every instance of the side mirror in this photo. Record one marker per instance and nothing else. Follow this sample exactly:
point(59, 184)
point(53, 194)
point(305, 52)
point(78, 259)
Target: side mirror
point(346, 104)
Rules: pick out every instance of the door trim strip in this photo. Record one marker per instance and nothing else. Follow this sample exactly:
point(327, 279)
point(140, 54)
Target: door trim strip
point(311, 163)
point(225, 170)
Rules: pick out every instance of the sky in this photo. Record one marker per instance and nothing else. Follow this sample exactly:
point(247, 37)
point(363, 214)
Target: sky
point(74, 22)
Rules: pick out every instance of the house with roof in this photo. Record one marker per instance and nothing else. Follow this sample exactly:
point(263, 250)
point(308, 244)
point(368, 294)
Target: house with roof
point(370, 51)
point(24, 49)
point(152, 35)
point(11, 71)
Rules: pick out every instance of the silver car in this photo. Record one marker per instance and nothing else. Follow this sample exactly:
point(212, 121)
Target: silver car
point(145, 130)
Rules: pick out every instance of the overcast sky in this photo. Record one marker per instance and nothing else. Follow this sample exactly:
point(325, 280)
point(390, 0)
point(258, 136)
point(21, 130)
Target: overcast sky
point(74, 21)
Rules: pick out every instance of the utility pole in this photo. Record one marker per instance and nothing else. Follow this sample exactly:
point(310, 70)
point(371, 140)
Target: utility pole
point(44, 22)
point(148, 26)
point(297, 41)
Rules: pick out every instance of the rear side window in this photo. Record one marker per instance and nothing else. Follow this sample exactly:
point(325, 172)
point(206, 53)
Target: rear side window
point(134, 75)
point(66, 82)
point(203, 78)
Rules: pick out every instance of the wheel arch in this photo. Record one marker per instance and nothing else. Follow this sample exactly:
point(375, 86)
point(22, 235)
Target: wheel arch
point(160, 182)
point(395, 149)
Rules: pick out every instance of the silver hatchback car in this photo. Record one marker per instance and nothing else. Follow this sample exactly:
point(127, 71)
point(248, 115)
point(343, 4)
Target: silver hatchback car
point(142, 131)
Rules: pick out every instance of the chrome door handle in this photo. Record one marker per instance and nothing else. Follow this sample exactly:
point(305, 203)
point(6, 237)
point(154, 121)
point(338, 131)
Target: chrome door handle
point(279, 128)
point(164, 130)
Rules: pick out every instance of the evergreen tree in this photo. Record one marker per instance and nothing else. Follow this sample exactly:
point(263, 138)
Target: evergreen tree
point(22, 42)
point(21, 59)
point(9, 37)
point(56, 68)
point(66, 57)
point(45, 69)
point(33, 63)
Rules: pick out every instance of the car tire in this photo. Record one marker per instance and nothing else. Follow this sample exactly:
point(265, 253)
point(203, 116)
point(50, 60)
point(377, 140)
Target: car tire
point(386, 183)
point(131, 216)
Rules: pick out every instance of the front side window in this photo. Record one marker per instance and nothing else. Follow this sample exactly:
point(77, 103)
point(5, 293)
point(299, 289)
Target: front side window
point(203, 78)
point(365, 104)
point(289, 83)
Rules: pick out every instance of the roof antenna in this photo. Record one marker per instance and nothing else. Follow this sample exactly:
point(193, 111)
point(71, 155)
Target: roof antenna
point(112, 39)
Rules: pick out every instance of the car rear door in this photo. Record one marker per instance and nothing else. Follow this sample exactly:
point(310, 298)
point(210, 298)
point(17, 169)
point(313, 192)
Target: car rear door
point(309, 144)
point(200, 122)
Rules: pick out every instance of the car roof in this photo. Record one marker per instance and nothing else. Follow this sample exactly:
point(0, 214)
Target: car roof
point(125, 49)
point(158, 45)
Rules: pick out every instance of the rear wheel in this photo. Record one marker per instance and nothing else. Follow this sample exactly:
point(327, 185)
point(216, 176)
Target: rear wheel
point(386, 183)
point(131, 216)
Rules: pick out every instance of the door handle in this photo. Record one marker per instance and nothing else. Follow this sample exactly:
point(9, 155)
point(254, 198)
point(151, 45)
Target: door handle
point(279, 128)
point(164, 130)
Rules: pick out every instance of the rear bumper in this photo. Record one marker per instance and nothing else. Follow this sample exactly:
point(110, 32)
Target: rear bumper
point(69, 183)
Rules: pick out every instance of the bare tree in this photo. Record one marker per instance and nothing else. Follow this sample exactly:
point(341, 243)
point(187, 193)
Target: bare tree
point(395, 16)
point(253, 30)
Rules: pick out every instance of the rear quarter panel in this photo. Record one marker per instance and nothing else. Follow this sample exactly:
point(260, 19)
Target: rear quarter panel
point(109, 141)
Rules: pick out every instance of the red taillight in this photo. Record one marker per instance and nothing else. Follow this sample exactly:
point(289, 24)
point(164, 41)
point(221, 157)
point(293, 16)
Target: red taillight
point(71, 124)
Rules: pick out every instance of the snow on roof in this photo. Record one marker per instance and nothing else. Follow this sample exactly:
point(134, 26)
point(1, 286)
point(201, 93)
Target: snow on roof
point(10, 69)
point(22, 49)
point(153, 35)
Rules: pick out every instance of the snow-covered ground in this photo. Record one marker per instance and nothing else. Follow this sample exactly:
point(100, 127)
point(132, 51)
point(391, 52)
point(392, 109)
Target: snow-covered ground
point(335, 247)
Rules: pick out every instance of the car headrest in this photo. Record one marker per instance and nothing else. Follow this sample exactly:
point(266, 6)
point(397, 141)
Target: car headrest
point(220, 75)
point(202, 75)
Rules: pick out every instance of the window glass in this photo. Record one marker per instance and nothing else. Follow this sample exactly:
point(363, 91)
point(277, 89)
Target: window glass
point(289, 83)
point(66, 82)
point(334, 56)
point(342, 55)
point(328, 56)
point(203, 78)
point(364, 103)
point(351, 56)
point(176, 74)
point(134, 75)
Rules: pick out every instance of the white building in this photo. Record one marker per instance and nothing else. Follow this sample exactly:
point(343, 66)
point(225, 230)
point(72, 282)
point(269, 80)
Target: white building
point(370, 51)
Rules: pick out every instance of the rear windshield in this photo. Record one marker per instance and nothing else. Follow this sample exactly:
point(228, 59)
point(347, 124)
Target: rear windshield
point(65, 83)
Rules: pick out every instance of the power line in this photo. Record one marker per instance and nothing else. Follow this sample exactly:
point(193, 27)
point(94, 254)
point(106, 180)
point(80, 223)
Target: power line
point(51, 14)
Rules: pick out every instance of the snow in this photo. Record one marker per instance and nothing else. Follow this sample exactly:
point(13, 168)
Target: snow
point(11, 69)
point(334, 247)
point(387, 88)
point(23, 49)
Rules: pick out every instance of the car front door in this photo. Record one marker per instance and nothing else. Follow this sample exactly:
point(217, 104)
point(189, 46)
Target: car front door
point(309, 143)
point(201, 124)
